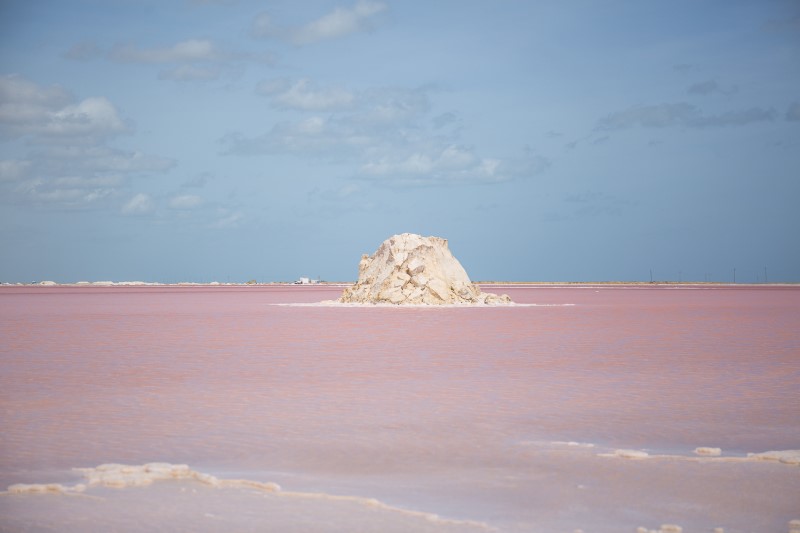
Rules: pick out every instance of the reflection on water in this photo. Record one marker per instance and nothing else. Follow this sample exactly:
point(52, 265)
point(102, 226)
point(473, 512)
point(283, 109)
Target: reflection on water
point(397, 402)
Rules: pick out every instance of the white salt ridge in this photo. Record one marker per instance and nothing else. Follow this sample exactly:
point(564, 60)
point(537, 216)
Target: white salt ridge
point(789, 457)
point(122, 476)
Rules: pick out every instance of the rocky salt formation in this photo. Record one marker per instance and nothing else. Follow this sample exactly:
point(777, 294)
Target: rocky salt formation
point(409, 269)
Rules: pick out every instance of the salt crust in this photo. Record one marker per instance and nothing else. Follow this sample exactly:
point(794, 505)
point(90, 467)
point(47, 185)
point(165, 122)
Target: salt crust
point(789, 457)
point(705, 454)
point(665, 528)
point(122, 476)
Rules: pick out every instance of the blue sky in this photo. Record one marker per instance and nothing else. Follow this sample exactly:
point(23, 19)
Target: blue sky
point(547, 140)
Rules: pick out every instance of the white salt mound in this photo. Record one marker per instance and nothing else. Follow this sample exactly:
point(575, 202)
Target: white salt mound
point(789, 457)
point(631, 454)
point(411, 269)
point(712, 452)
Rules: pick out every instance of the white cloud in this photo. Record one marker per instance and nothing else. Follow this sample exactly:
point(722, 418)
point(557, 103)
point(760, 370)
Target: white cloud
point(14, 169)
point(450, 165)
point(189, 73)
point(303, 95)
point(680, 114)
point(83, 182)
point(447, 164)
point(338, 23)
point(392, 105)
point(710, 87)
point(445, 119)
point(80, 159)
point(92, 116)
point(138, 205)
point(28, 109)
point(189, 50)
point(652, 116)
point(376, 118)
point(374, 107)
point(739, 117)
point(74, 175)
point(212, 2)
point(263, 27)
point(186, 201)
point(198, 60)
point(83, 51)
point(346, 199)
point(67, 191)
point(595, 204)
point(15, 89)
point(311, 136)
point(25, 106)
point(67, 163)
point(228, 219)
point(385, 132)
point(793, 112)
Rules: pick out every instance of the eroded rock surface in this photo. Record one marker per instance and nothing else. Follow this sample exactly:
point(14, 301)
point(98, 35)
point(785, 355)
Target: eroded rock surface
point(412, 270)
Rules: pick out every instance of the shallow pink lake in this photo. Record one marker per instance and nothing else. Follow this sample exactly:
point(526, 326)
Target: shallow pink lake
point(461, 412)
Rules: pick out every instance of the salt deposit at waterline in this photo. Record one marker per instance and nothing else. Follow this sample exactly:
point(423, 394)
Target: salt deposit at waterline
point(203, 502)
point(484, 416)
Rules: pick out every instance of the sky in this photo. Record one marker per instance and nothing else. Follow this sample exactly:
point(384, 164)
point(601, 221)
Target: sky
point(230, 140)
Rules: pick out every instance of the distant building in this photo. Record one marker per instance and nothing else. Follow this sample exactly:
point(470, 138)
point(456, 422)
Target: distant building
point(306, 281)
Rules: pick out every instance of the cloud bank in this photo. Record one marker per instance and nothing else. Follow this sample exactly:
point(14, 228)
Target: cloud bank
point(340, 22)
point(68, 162)
point(681, 114)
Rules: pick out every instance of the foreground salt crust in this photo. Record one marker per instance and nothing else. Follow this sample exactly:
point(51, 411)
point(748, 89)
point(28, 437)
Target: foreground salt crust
point(280, 502)
point(121, 476)
point(411, 269)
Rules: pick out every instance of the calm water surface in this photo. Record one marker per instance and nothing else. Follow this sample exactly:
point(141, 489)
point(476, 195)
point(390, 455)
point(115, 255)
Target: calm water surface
point(396, 403)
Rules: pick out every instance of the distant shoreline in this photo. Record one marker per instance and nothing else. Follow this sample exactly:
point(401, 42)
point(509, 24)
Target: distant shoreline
point(520, 284)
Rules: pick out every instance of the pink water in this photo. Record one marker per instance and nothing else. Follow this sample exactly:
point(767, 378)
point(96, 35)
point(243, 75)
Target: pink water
point(460, 411)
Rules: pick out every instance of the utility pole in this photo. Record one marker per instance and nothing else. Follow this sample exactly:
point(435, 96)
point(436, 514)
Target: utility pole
point(651, 275)
point(734, 275)
point(765, 275)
